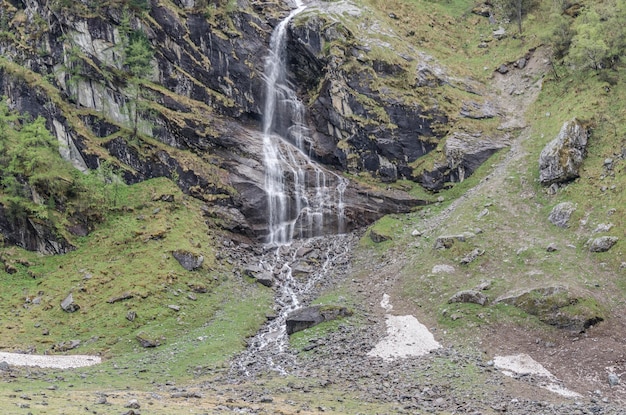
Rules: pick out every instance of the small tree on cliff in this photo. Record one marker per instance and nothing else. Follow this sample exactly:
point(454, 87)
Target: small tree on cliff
point(138, 54)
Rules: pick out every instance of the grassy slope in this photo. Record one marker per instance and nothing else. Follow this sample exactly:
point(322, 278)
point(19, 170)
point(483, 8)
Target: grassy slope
point(519, 205)
point(131, 253)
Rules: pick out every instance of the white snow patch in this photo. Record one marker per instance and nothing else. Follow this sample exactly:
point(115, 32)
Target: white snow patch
point(406, 336)
point(58, 362)
point(523, 364)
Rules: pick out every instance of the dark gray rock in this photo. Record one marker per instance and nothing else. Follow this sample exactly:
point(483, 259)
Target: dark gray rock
point(66, 345)
point(613, 379)
point(561, 214)
point(148, 342)
point(603, 243)
point(4, 366)
point(120, 297)
point(469, 296)
point(378, 237)
point(446, 241)
point(562, 158)
point(31, 233)
point(307, 317)
point(133, 404)
point(68, 305)
point(131, 315)
point(188, 260)
point(259, 275)
point(470, 257)
point(503, 69)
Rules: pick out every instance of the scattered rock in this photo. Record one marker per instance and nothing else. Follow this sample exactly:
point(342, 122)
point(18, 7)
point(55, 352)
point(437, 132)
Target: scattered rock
point(68, 305)
point(186, 394)
point(499, 34)
point(198, 288)
point(121, 297)
point(4, 366)
point(188, 260)
point(163, 198)
point(147, 341)
point(613, 379)
point(603, 227)
point(446, 241)
point(552, 248)
point(307, 317)
point(561, 214)
point(378, 237)
point(442, 269)
point(561, 159)
point(65, 346)
point(482, 9)
point(102, 400)
point(174, 307)
point(503, 69)
point(468, 296)
point(472, 256)
point(415, 232)
point(131, 315)
point(259, 275)
point(603, 243)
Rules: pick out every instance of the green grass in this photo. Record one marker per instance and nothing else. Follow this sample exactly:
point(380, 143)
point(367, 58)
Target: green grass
point(131, 253)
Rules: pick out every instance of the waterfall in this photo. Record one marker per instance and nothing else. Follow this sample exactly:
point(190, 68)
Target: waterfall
point(301, 196)
point(305, 202)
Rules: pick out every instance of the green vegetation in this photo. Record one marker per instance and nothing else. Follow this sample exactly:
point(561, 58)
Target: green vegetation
point(126, 265)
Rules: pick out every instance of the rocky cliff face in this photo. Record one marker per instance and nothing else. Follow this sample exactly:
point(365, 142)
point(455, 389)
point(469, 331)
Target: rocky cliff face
point(201, 107)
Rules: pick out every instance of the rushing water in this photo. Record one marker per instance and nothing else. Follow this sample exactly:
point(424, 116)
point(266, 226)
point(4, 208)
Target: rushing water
point(300, 269)
point(301, 195)
point(306, 244)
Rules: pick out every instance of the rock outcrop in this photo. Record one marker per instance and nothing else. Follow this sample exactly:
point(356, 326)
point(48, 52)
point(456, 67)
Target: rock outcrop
point(205, 103)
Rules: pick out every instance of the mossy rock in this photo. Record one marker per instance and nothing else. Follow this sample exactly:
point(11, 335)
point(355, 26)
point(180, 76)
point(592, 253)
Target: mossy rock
point(558, 307)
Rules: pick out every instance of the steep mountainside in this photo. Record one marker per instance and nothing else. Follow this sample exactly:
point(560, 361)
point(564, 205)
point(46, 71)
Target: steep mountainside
point(473, 165)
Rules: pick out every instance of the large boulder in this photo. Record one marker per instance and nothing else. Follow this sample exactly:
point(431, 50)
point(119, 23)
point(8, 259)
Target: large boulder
point(557, 306)
point(603, 243)
point(562, 158)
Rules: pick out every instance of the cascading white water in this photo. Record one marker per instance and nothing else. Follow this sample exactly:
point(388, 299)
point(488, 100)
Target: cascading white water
point(300, 194)
point(302, 200)
point(268, 349)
